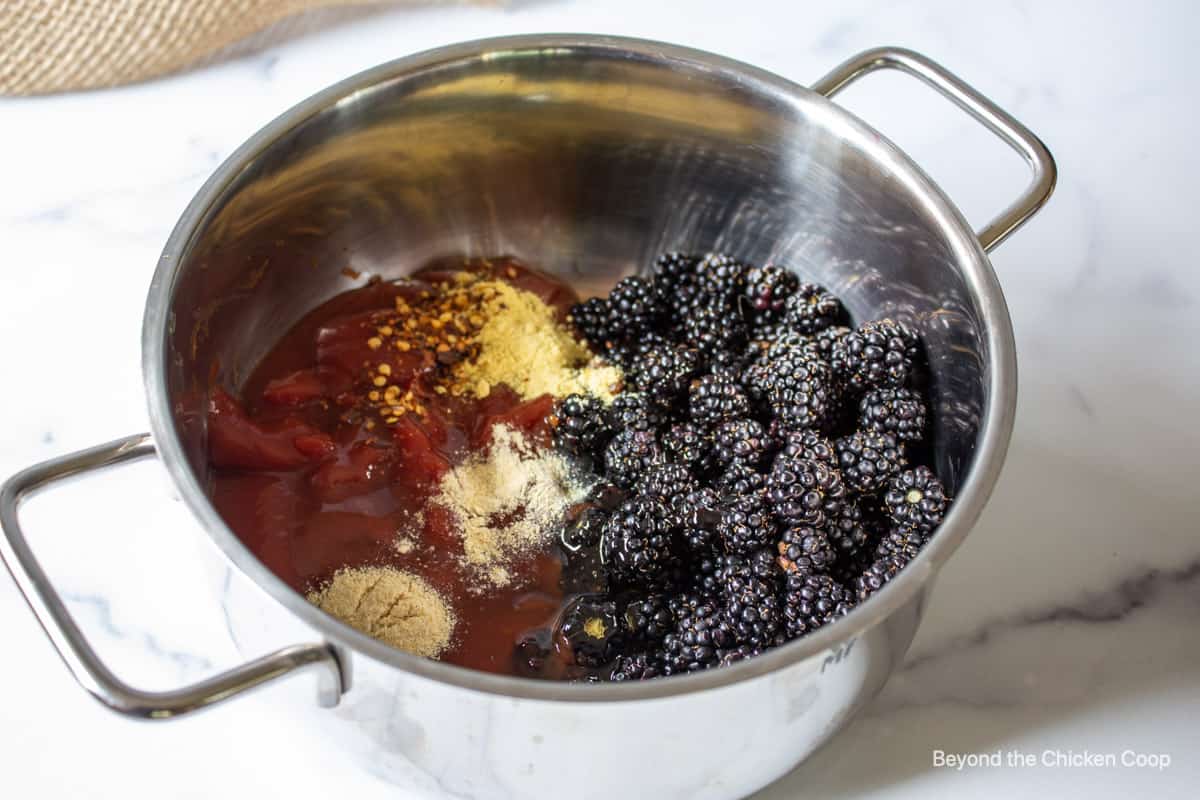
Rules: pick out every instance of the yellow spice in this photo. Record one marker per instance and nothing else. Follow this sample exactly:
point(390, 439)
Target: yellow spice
point(522, 345)
point(506, 502)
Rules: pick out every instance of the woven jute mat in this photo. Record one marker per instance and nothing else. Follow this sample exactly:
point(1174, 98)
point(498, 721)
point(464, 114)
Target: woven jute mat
point(62, 45)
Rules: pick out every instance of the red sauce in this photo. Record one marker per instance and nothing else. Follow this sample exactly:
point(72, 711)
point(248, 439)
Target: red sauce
point(311, 487)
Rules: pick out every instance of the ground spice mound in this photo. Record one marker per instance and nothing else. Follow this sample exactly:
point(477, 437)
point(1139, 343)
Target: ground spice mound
point(522, 345)
point(396, 607)
point(507, 502)
point(481, 332)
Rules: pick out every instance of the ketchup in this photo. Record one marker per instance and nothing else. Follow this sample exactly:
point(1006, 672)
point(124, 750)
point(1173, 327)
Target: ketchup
point(312, 483)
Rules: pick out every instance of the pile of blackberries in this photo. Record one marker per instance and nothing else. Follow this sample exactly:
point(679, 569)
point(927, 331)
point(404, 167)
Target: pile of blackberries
point(757, 475)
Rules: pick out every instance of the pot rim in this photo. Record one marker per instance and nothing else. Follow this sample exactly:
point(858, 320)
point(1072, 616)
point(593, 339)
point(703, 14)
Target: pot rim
point(981, 280)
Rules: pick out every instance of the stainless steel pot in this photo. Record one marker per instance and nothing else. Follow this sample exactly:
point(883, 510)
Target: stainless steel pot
point(585, 156)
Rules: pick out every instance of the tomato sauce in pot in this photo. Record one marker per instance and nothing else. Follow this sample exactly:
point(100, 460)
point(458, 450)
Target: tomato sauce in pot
point(314, 479)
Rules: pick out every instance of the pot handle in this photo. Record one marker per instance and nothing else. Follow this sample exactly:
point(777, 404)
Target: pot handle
point(995, 119)
point(78, 655)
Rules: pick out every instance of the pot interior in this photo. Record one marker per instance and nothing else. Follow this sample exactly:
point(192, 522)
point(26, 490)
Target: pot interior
point(586, 161)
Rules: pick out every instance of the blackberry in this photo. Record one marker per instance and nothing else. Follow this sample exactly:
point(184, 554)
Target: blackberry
point(762, 335)
point(667, 483)
point(629, 455)
point(721, 276)
point(579, 425)
point(804, 492)
point(638, 667)
point(763, 563)
point(810, 601)
point(634, 411)
point(740, 479)
point(675, 278)
point(805, 549)
point(708, 579)
point(698, 539)
point(584, 529)
point(686, 443)
point(590, 631)
point(636, 306)
point(821, 345)
point(593, 319)
point(742, 440)
point(716, 398)
point(714, 327)
point(739, 653)
point(811, 309)
point(916, 499)
point(784, 340)
point(797, 387)
point(698, 513)
point(869, 460)
point(745, 524)
point(729, 363)
point(811, 445)
point(744, 502)
point(900, 412)
point(626, 353)
point(674, 267)
point(768, 289)
point(903, 543)
point(648, 619)
point(849, 529)
point(752, 605)
point(700, 506)
point(879, 574)
point(754, 377)
point(878, 354)
point(665, 372)
point(700, 631)
point(635, 543)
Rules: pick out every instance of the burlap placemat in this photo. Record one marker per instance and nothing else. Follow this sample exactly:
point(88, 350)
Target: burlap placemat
point(61, 45)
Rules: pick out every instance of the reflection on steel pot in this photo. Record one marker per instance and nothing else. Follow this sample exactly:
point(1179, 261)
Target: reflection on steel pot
point(586, 156)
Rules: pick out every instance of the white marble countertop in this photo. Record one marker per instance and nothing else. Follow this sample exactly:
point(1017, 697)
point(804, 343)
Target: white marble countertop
point(1065, 624)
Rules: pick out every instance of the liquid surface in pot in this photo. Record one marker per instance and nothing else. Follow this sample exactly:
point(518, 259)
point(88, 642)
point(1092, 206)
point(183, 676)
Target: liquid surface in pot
point(320, 465)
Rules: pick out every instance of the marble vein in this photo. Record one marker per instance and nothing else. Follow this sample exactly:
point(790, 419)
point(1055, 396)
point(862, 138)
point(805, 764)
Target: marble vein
point(928, 678)
point(1109, 605)
point(100, 610)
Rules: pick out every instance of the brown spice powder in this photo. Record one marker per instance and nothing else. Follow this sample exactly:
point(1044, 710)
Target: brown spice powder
point(396, 607)
point(507, 502)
